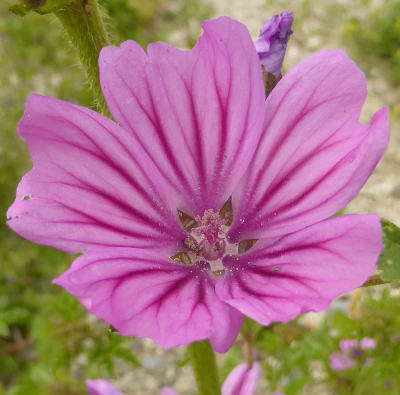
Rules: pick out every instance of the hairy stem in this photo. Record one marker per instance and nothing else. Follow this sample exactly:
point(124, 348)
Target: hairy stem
point(205, 368)
point(83, 22)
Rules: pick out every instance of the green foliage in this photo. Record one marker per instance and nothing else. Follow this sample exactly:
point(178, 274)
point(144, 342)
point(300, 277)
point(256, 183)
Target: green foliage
point(296, 359)
point(389, 262)
point(377, 36)
point(153, 20)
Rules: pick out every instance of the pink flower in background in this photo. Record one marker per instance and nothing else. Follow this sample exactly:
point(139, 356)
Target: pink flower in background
point(169, 391)
point(272, 42)
point(101, 387)
point(205, 203)
point(368, 344)
point(242, 380)
point(352, 353)
point(341, 362)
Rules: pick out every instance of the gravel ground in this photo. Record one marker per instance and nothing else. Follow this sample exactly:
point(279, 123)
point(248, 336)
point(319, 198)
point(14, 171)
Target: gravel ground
point(320, 29)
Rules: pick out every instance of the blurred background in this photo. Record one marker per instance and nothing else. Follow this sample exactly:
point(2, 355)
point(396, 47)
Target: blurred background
point(49, 344)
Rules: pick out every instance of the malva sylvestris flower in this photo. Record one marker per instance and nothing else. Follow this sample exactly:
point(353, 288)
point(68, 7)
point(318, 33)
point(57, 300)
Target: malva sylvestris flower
point(242, 380)
point(205, 202)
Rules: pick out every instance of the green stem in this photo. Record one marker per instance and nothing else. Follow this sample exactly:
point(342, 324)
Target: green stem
point(83, 22)
point(205, 368)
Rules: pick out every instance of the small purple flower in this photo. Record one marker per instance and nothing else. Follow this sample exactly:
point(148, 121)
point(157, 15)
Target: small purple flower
point(347, 345)
point(101, 387)
point(272, 42)
point(352, 352)
point(341, 362)
point(204, 203)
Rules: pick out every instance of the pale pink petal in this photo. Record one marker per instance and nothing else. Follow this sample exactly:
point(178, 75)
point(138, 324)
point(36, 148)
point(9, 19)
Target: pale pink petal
point(314, 156)
point(198, 113)
point(144, 294)
point(91, 185)
point(101, 387)
point(242, 380)
point(169, 391)
point(303, 271)
point(347, 345)
point(368, 344)
point(341, 362)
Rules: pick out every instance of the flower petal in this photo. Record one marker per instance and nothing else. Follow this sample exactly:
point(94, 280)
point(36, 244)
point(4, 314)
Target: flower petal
point(314, 156)
point(305, 270)
point(341, 362)
point(198, 113)
point(101, 387)
point(91, 186)
point(347, 345)
point(144, 294)
point(368, 343)
point(242, 380)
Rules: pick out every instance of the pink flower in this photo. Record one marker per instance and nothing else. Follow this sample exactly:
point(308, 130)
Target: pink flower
point(341, 362)
point(169, 391)
point(272, 42)
point(242, 380)
point(352, 352)
point(205, 203)
point(368, 344)
point(101, 387)
point(347, 345)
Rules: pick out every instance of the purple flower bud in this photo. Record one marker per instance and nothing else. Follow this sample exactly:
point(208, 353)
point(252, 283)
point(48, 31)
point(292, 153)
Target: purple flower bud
point(272, 42)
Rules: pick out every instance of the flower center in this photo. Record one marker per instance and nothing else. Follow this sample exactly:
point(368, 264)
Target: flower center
point(207, 243)
point(210, 234)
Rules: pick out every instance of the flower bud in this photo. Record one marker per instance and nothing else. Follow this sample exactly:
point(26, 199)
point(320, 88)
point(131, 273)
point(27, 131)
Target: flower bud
point(242, 380)
point(272, 41)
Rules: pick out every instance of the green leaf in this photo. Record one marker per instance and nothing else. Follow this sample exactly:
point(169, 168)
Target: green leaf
point(18, 9)
point(389, 262)
point(297, 385)
point(40, 6)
